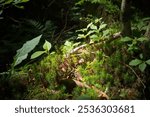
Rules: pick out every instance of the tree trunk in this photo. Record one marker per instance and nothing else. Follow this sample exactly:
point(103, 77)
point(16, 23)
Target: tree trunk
point(126, 18)
point(147, 33)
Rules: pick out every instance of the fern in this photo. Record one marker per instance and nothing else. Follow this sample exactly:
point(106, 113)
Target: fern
point(34, 24)
point(46, 29)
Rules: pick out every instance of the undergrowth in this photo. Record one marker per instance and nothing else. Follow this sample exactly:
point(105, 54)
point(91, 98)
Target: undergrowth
point(94, 69)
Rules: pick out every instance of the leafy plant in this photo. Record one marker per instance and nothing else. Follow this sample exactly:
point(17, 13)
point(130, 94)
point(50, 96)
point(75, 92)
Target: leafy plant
point(47, 46)
point(134, 46)
point(6, 3)
point(140, 26)
point(94, 31)
point(133, 43)
point(23, 52)
point(142, 64)
point(68, 46)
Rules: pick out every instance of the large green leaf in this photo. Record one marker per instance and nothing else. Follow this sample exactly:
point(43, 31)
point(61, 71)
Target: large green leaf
point(20, 59)
point(135, 62)
point(142, 67)
point(22, 53)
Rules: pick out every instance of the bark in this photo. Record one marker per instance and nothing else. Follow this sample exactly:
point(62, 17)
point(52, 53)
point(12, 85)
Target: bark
point(126, 18)
point(147, 34)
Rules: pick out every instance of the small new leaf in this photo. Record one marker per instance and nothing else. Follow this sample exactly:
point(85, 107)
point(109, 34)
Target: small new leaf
point(142, 67)
point(47, 45)
point(135, 62)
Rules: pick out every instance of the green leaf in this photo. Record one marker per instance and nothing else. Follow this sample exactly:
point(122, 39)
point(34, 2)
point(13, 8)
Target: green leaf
point(145, 19)
point(126, 39)
point(89, 25)
point(93, 27)
point(7, 2)
point(142, 66)
point(76, 44)
point(2, 1)
point(81, 36)
point(47, 45)
point(141, 56)
point(22, 53)
point(19, 1)
point(148, 61)
point(24, 0)
point(20, 59)
point(141, 39)
point(106, 32)
point(97, 20)
point(102, 26)
point(68, 43)
point(68, 46)
point(94, 37)
point(37, 54)
point(28, 46)
point(82, 30)
point(135, 62)
point(90, 32)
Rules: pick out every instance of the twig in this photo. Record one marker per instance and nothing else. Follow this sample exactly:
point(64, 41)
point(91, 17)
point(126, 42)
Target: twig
point(102, 95)
point(51, 3)
point(112, 38)
point(14, 20)
point(134, 73)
